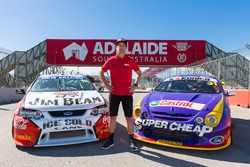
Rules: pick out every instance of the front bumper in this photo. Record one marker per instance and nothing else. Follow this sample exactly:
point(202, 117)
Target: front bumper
point(203, 143)
point(59, 131)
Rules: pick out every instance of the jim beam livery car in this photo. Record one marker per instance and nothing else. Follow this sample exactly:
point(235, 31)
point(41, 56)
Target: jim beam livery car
point(60, 110)
point(188, 112)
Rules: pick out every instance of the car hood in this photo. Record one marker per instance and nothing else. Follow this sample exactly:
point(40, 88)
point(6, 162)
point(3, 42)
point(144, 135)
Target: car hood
point(64, 100)
point(181, 102)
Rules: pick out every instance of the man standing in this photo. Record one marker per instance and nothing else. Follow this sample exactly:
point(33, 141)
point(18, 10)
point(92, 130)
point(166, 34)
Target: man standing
point(121, 89)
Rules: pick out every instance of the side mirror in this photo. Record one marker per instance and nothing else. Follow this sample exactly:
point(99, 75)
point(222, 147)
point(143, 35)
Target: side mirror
point(230, 93)
point(101, 89)
point(223, 84)
point(20, 91)
point(150, 89)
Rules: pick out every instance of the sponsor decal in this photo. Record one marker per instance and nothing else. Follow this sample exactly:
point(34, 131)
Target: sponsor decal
point(67, 113)
point(145, 52)
point(181, 57)
point(61, 77)
point(84, 81)
point(67, 124)
point(216, 140)
point(177, 103)
point(67, 94)
point(135, 129)
point(106, 120)
point(213, 83)
point(138, 48)
point(170, 142)
point(195, 78)
point(210, 81)
point(64, 101)
point(199, 120)
point(24, 137)
point(181, 46)
point(104, 130)
point(20, 124)
point(174, 126)
point(126, 65)
point(176, 78)
point(154, 103)
point(150, 59)
point(76, 51)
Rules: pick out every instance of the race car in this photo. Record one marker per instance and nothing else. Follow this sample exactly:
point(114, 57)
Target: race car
point(60, 110)
point(185, 111)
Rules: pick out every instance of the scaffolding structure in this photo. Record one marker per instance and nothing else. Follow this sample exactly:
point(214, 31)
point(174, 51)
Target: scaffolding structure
point(232, 68)
point(26, 66)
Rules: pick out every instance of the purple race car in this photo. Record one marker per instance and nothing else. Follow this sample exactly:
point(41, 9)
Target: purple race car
point(186, 111)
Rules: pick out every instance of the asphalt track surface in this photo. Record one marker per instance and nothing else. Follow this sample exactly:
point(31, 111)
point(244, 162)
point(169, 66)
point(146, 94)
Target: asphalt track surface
point(90, 154)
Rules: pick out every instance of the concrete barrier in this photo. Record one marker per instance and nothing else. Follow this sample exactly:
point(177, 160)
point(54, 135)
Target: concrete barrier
point(241, 98)
point(8, 95)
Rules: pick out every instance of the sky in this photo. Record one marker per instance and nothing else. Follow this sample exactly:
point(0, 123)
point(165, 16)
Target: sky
point(224, 23)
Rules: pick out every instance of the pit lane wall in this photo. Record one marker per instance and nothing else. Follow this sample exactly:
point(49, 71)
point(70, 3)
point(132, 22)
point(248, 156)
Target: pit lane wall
point(241, 98)
point(8, 95)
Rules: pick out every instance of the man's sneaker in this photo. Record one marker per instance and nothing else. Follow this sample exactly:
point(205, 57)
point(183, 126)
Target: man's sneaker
point(133, 146)
point(109, 143)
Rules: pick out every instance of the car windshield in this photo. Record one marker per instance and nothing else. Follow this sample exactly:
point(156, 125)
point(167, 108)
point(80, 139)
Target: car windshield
point(61, 84)
point(189, 86)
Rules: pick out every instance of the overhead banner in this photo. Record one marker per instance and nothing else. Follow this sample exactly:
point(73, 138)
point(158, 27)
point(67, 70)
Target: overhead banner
point(94, 52)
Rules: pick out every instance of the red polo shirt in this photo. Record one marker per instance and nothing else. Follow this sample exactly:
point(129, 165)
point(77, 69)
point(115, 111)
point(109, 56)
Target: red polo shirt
point(120, 73)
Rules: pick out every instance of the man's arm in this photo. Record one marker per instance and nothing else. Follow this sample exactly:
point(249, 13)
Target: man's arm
point(138, 77)
point(135, 85)
point(104, 81)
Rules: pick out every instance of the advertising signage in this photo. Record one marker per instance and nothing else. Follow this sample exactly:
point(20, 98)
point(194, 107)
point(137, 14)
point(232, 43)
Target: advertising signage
point(94, 52)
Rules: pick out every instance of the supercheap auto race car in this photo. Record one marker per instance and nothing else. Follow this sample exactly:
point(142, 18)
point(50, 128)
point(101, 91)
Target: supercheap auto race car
point(186, 111)
point(60, 110)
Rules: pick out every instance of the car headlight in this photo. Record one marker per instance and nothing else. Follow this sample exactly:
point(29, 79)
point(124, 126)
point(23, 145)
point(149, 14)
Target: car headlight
point(99, 110)
point(137, 109)
point(211, 120)
point(29, 113)
point(137, 113)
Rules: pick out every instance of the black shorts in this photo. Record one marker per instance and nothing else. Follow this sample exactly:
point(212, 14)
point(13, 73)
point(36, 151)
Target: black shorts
point(127, 105)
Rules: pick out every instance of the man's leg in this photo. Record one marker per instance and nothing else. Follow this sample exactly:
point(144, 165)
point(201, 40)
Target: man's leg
point(112, 124)
point(132, 143)
point(127, 104)
point(129, 126)
point(114, 102)
point(112, 127)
